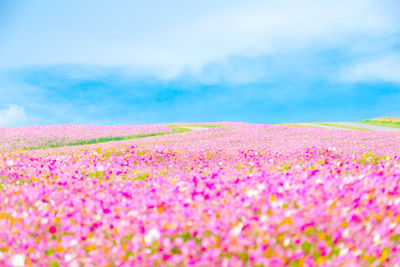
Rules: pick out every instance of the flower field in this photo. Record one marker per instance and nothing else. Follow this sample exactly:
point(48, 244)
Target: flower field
point(237, 195)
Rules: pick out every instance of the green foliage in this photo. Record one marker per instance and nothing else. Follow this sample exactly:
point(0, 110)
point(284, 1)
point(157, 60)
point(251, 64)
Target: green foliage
point(186, 236)
point(395, 238)
point(143, 176)
point(176, 130)
point(125, 239)
point(176, 250)
point(295, 263)
point(244, 256)
point(306, 247)
point(385, 119)
point(54, 264)
point(393, 124)
point(49, 252)
point(316, 254)
point(370, 158)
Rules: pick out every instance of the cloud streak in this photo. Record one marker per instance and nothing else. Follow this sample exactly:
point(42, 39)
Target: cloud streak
point(13, 115)
point(382, 69)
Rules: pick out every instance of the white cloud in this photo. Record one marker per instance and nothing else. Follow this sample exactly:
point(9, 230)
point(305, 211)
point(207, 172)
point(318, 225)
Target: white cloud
point(167, 37)
point(385, 68)
point(13, 115)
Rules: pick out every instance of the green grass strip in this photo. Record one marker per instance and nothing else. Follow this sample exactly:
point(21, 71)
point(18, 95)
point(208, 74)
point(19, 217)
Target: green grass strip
point(112, 138)
point(175, 129)
point(385, 119)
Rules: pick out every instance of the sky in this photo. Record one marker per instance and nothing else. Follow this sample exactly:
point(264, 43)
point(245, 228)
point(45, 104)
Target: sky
point(144, 62)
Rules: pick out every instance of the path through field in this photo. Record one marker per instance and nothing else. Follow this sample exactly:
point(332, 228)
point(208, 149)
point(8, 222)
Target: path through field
point(369, 126)
point(320, 126)
point(194, 128)
point(337, 126)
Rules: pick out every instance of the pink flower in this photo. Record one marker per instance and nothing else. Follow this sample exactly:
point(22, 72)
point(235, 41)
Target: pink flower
point(52, 229)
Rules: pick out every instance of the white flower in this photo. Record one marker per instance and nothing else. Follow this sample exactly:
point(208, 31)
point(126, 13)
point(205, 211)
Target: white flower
point(100, 168)
point(346, 233)
point(68, 257)
point(344, 251)
point(152, 236)
point(73, 242)
point(263, 218)
point(289, 213)
point(133, 213)
point(377, 239)
point(286, 242)
point(286, 185)
point(237, 229)
point(10, 162)
point(18, 260)
point(261, 187)
point(252, 193)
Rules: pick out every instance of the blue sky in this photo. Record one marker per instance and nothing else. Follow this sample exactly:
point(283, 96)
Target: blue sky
point(139, 62)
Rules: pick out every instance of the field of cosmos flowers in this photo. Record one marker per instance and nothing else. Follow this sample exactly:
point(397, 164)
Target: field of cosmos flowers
point(235, 195)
